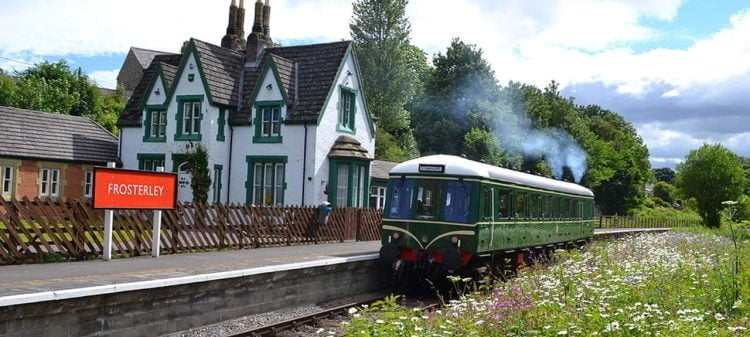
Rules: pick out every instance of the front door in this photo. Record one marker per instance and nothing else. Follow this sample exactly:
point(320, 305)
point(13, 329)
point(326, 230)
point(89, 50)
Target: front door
point(185, 191)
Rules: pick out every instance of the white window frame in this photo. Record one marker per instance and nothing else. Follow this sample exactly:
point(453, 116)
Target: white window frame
point(271, 126)
point(269, 192)
point(191, 123)
point(158, 123)
point(378, 193)
point(88, 184)
point(6, 183)
point(49, 186)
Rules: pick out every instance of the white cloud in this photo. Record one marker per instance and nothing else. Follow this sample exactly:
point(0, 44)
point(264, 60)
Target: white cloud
point(105, 79)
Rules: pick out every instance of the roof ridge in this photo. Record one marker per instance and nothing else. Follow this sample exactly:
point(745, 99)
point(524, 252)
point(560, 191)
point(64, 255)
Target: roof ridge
point(312, 45)
point(218, 47)
point(153, 50)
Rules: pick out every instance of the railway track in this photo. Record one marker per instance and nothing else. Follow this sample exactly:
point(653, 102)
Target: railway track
point(314, 319)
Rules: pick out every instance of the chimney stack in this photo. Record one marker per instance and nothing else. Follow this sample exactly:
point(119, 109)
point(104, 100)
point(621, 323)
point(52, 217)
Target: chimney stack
point(267, 23)
point(228, 41)
point(256, 39)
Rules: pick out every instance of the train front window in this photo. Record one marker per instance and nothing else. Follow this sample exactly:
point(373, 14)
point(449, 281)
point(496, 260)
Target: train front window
point(457, 201)
point(428, 195)
point(402, 194)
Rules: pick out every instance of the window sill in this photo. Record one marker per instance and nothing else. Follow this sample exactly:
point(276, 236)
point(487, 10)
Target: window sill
point(197, 137)
point(344, 129)
point(268, 140)
point(154, 139)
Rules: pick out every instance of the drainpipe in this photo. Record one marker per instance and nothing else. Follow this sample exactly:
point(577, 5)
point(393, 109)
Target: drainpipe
point(304, 166)
point(229, 171)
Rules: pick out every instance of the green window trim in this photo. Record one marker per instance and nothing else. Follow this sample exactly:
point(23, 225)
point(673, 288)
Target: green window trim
point(259, 137)
point(179, 132)
point(264, 160)
point(218, 176)
point(220, 137)
point(143, 157)
point(333, 173)
point(148, 137)
point(347, 119)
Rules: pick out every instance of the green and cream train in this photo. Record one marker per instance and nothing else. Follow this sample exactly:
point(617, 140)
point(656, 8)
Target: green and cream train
point(447, 211)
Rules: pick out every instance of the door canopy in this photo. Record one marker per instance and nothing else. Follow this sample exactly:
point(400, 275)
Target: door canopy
point(350, 148)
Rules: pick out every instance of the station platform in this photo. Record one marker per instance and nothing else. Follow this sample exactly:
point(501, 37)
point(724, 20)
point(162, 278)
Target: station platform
point(21, 284)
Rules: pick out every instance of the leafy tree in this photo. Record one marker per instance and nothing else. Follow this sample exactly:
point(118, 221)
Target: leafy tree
point(200, 177)
point(665, 174)
point(666, 192)
point(391, 71)
point(55, 87)
point(711, 174)
point(743, 209)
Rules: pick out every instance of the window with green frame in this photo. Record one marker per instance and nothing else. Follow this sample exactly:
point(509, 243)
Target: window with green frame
point(150, 161)
point(222, 122)
point(156, 125)
point(347, 110)
point(189, 118)
point(348, 183)
point(266, 180)
point(268, 121)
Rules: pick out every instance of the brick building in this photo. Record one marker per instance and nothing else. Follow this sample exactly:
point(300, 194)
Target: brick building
point(50, 155)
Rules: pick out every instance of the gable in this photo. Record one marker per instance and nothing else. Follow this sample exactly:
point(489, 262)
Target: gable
point(157, 92)
point(190, 79)
point(269, 87)
point(349, 76)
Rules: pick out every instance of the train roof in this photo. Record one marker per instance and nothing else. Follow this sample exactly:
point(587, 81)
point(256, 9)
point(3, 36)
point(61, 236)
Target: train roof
point(457, 166)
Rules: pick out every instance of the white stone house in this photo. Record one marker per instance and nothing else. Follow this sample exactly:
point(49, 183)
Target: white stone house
point(282, 125)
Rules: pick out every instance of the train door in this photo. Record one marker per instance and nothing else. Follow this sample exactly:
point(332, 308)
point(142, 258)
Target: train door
point(488, 210)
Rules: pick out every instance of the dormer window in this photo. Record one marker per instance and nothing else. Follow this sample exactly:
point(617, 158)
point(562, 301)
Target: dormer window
point(268, 122)
point(347, 110)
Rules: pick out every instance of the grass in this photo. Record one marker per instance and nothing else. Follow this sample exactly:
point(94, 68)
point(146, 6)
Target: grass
point(681, 283)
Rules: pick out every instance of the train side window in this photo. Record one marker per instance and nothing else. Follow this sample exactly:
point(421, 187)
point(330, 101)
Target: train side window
point(487, 203)
point(545, 207)
point(503, 205)
point(534, 206)
point(520, 205)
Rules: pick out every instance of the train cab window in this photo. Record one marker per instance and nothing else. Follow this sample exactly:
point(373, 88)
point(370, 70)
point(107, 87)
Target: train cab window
point(487, 203)
point(520, 205)
point(428, 194)
point(401, 196)
point(503, 205)
point(457, 201)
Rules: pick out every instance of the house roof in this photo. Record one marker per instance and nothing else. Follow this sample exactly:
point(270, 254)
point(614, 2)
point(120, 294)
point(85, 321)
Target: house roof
point(134, 109)
point(348, 147)
point(227, 78)
point(146, 56)
point(380, 169)
point(55, 137)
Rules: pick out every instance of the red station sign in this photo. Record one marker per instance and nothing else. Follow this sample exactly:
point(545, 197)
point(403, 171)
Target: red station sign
point(128, 189)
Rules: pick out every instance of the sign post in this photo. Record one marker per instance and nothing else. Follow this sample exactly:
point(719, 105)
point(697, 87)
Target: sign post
point(128, 189)
point(156, 235)
point(109, 219)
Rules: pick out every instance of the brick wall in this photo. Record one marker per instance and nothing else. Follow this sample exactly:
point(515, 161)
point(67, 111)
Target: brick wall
point(72, 178)
point(28, 179)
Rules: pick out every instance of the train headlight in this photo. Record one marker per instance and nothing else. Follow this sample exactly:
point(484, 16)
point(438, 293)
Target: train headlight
point(454, 239)
point(396, 236)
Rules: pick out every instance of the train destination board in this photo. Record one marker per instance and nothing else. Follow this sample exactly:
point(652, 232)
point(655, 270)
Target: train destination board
point(127, 189)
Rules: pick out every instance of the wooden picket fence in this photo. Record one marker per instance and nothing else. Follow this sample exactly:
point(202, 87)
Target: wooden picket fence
point(636, 222)
point(56, 230)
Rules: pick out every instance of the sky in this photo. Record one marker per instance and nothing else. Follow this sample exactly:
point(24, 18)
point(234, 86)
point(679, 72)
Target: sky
point(679, 70)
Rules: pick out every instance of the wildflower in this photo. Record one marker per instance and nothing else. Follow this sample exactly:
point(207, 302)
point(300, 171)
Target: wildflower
point(718, 317)
point(380, 321)
point(320, 331)
point(736, 328)
point(352, 311)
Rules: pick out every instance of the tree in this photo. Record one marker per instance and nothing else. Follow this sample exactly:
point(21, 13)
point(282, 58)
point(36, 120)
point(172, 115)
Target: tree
point(711, 174)
point(200, 177)
point(56, 88)
point(665, 192)
point(665, 174)
point(391, 71)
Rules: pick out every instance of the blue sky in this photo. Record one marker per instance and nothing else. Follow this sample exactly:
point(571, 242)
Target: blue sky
point(679, 70)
